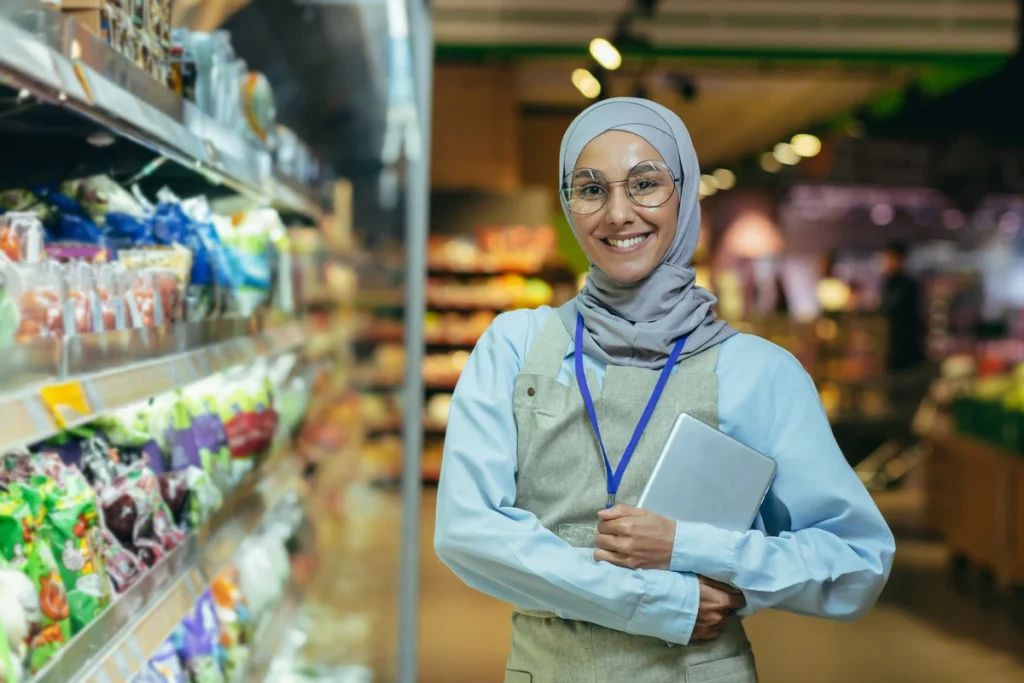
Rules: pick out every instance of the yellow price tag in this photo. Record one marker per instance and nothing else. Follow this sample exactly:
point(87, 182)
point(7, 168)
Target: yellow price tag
point(84, 80)
point(67, 402)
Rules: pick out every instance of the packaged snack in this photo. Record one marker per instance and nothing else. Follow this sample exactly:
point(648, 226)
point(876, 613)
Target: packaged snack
point(21, 514)
point(72, 528)
point(83, 312)
point(123, 568)
point(164, 667)
point(199, 643)
point(19, 615)
point(233, 616)
point(137, 516)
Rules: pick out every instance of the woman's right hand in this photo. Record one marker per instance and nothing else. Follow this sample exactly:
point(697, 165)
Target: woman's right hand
point(717, 602)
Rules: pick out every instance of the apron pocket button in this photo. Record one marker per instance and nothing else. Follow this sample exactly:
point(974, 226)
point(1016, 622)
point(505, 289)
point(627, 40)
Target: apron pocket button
point(531, 392)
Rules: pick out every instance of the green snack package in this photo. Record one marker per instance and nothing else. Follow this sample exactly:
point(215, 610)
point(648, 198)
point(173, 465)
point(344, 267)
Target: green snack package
point(72, 528)
point(22, 513)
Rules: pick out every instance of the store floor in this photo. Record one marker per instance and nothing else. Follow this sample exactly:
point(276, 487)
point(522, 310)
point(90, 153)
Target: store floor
point(922, 629)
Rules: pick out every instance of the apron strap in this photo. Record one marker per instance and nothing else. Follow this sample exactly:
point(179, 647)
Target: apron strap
point(549, 348)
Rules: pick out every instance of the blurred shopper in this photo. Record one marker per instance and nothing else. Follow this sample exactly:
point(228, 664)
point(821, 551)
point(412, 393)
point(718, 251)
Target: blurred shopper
point(901, 306)
point(535, 502)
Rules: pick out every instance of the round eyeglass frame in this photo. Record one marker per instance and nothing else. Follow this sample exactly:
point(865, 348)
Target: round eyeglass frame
point(566, 188)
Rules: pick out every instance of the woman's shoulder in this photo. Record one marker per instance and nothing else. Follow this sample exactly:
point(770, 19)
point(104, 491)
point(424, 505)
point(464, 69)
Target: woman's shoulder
point(754, 358)
point(521, 325)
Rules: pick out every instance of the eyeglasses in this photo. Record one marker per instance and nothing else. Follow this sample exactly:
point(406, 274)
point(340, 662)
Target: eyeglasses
point(649, 184)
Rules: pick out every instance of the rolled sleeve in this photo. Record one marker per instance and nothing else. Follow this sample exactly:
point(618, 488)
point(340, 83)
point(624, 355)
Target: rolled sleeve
point(704, 549)
point(668, 609)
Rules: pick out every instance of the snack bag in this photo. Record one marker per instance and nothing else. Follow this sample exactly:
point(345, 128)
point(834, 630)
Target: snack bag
point(239, 418)
point(123, 568)
point(199, 643)
point(164, 667)
point(21, 515)
point(72, 528)
point(211, 437)
point(233, 616)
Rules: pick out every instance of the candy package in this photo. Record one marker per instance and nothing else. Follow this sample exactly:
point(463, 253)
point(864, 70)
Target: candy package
point(21, 513)
point(136, 514)
point(164, 667)
point(198, 643)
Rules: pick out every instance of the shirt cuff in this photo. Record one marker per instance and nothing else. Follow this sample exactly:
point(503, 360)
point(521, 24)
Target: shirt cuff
point(668, 609)
point(705, 550)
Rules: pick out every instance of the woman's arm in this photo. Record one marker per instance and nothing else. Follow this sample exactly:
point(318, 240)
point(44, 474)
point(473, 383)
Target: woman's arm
point(830, 551)
point(504, 551)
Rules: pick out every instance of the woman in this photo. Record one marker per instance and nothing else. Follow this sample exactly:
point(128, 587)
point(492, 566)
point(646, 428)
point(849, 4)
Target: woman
point(606, 593)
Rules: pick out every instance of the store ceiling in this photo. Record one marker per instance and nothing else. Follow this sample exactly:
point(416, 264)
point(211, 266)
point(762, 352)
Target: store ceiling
point(758, 28)
point(735, 109)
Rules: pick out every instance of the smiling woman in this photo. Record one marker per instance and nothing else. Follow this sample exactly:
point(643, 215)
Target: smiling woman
point(560, 416)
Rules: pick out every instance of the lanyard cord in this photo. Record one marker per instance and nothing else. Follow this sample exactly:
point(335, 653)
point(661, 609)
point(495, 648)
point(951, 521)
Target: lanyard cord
point(615, 478)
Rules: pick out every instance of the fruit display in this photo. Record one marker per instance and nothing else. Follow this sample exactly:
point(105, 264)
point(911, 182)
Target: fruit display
point(516, 249)
point(442, 370)
point(993, 409)
point(505, 292)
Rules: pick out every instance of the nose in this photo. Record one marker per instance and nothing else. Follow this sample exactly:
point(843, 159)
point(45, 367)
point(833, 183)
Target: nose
point(619, 210)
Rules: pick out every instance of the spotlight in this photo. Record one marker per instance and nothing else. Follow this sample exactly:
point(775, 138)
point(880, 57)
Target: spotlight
point(785, 154)
point(707, 186)
point(770, 163)
point(586, 83)
point(724, 179)
point(806, 145)
point(606, 54)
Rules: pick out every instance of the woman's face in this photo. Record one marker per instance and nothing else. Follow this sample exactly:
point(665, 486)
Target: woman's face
point(624, 240)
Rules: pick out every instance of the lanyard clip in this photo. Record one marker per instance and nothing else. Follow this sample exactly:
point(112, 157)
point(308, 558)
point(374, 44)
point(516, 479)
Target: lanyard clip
point(611, 501)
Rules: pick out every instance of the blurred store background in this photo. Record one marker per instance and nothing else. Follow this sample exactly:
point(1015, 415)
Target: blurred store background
point(248, 246)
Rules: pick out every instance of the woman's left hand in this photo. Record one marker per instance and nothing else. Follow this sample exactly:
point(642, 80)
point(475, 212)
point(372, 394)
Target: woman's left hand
point(635, 539)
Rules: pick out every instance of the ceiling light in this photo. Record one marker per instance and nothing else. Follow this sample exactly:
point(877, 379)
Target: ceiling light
point(707, 186)
point(586, 83)
point(605, 53)
point(770, 163)
point(785, 154)
point(806, 145)
point(724, 179)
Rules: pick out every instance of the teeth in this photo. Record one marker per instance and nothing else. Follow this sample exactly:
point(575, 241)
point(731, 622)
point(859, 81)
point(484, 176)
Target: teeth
point(631, 242)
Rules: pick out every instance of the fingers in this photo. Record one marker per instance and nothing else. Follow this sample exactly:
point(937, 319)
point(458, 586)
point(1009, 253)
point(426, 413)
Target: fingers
point(704, 633)
point(615, 558)
point(620, 526)
point(737, 601)
point(612, 543)
point(617, 511)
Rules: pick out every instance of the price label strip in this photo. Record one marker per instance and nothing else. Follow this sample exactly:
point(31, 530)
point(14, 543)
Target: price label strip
point(67, 402)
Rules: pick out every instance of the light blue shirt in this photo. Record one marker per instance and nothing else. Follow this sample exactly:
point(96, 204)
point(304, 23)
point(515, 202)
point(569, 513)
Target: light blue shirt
point(819, 547)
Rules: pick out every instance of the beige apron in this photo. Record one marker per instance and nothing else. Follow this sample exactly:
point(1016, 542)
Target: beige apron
point(561, 479)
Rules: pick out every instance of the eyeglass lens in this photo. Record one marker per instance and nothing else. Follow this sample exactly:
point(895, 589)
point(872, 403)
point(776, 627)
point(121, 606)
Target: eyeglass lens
point(649, 184)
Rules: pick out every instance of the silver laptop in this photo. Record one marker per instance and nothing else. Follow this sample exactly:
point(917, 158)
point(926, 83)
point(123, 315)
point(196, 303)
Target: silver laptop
point(705, 476)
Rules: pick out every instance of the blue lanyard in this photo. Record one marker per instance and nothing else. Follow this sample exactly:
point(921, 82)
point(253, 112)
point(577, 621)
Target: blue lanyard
point(615, 478)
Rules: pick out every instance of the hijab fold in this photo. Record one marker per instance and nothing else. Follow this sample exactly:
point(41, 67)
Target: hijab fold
point(637, 324)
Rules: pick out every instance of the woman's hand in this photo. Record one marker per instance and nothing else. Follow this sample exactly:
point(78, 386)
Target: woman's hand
point(634, 538)
point(717, 602)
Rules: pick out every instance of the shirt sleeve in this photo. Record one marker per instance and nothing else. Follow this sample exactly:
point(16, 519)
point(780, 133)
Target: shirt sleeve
point(828, 550)
point(504, 551)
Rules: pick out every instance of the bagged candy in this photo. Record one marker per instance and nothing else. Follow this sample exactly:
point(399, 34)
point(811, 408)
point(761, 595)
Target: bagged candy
point(123, 567)
point(21, 514)
point(164, 667)
point(198, 643)
point(72, 528)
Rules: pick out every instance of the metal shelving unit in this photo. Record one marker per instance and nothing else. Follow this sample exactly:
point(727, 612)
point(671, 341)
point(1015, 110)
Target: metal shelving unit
point(85, 87)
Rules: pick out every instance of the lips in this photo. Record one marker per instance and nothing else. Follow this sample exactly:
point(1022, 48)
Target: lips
point(626, 242)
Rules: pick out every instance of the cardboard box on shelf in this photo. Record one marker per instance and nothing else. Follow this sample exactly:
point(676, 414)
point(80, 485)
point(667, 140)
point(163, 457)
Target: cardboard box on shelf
point(88, 13)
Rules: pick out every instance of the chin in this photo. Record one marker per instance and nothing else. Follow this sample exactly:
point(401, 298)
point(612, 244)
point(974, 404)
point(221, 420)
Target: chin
point(628, 275)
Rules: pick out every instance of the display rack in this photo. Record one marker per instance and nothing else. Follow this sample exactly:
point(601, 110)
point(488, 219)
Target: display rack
point(50, 385)
point(51, 59)
point(119, 643)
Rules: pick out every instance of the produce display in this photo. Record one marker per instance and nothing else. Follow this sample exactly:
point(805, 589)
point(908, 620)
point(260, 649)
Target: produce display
point(498, 293)
point(84, 515)
point(93, 257)
point(993, 408)
point(517, 249)
point(441, 371)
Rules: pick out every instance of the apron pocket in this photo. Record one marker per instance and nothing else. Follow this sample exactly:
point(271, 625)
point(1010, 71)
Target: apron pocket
point(738, 669)
point(518, 676)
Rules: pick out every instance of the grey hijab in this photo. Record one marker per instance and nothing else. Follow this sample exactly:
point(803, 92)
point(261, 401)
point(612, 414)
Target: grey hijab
point(638, 324)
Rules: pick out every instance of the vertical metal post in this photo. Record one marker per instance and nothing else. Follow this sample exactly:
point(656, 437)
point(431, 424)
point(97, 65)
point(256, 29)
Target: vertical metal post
point(417, 226)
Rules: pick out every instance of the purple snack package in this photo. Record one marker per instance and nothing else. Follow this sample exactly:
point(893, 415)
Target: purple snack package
point(200, 642)
point(165, 666)
point(180, 438)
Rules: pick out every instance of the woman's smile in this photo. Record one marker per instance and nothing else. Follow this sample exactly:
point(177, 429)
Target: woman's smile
point(628, 243)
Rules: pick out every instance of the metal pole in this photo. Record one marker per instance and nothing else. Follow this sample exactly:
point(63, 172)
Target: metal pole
point(417, 226)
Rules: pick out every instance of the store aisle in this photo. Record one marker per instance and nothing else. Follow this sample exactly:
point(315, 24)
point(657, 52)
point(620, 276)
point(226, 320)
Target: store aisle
point(921, 631)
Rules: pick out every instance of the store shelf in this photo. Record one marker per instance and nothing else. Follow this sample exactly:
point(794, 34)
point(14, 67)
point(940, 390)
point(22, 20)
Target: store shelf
point(64, 66)
point(114, 647)
point(48, 386)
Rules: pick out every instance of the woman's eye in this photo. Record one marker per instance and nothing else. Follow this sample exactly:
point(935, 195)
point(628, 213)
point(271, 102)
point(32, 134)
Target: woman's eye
point(589, 191)
point(644, 185)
